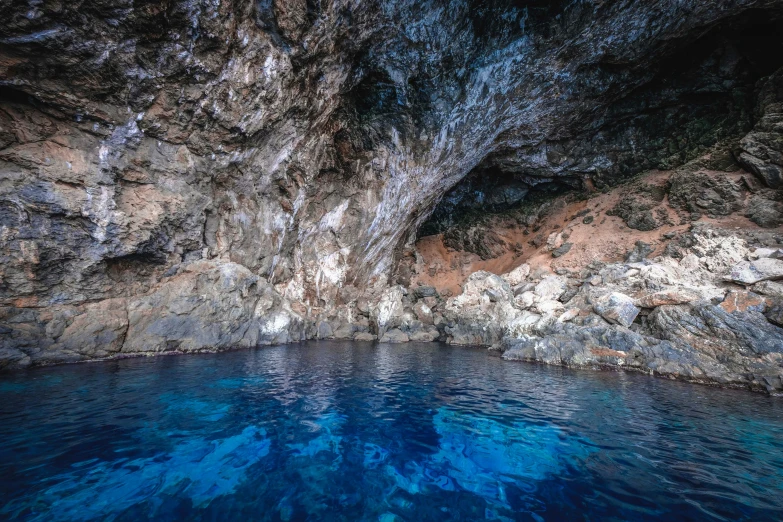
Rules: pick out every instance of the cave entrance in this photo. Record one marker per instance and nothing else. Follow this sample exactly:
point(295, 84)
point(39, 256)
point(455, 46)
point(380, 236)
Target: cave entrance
point(703, 93)
point(487, 192)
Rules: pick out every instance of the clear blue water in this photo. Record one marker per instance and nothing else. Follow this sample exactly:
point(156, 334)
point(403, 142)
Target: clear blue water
point(347, 431)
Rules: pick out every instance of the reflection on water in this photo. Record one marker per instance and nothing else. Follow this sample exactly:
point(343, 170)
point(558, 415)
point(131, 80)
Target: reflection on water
point(350, 431)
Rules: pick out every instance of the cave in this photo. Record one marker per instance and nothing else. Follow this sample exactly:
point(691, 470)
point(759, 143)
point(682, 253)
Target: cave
point(294, 164)
point(391, 260)
point(700, 94)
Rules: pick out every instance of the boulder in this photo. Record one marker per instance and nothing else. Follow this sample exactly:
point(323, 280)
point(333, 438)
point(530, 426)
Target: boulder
point(770, 173)
point(640, 252)
point(324, 330)
point(518, 275)
point(595, 280)
point(568, 315)
point(554, 241)
point(481, 281)
point(344, 330)
point(548, 306)
point(524, 287)
point(475, 334)
point(425, 334)
point(738, 337)
point(616, 308)
point(423, 313)
point(425, 291)
point(13, 359)
point(765, 211)
point(493, 295)
point(775, 313)
point(526, 300)
point(743, 301)
point(210, 306)
point(551, 287)
point(774, 253)
point(395, 335)
point(388, 312)
point(432, 302)
point(762, 269)
point(768, 288)
point(562, 250)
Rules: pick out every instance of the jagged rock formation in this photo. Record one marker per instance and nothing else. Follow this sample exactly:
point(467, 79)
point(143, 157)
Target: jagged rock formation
point(258, 171)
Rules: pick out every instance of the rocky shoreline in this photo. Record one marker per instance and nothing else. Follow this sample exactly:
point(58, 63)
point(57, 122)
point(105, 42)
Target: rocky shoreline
point(708, 311)
point(594, 184)
point(708, 320)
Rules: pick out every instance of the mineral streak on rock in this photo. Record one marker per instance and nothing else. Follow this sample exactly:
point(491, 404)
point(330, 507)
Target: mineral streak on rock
point(205, 174)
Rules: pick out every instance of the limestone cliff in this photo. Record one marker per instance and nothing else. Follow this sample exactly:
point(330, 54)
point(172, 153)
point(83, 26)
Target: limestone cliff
point(204, 174)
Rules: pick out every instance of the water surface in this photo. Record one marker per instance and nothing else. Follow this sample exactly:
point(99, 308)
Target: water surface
point(352, 431)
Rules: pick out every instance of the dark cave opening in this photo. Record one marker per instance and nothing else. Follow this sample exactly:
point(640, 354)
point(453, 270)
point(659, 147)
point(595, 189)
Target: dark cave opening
point(486, 192)
point(703, 94)
point(16, 96)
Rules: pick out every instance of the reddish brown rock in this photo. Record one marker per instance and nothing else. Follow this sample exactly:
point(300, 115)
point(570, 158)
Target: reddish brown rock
point(743, 301)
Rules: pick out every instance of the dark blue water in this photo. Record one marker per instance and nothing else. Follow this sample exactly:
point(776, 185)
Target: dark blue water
point(331, 431)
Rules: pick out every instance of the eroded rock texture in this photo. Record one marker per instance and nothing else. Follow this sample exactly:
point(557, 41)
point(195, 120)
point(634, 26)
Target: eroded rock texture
point(200, 157)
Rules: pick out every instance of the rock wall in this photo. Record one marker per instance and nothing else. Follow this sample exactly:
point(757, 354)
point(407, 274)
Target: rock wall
point(194, 158)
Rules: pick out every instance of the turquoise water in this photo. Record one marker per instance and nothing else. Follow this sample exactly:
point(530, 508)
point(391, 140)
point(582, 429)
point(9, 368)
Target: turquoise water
point(351, 431)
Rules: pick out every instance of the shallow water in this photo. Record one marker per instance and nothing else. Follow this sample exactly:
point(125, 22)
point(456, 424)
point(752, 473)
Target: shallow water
point(351, 431)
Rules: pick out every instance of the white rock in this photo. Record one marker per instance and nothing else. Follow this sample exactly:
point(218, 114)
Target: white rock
point(718, 253)
point(395, 336)
point(672, 296)
point(555, 240)
point(524, 324)
point(690, 262)
point(659, 274)
point(616, 308)
point(548, 306)
point(551, 287)
point(525, 300)
point(389, 310)
point(475, 287)
point(774, 253)
point(423, 312)
point(474, 303)
point(518, 275)
point(762, 269)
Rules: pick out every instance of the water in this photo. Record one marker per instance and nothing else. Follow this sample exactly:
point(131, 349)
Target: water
point(347, 431)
